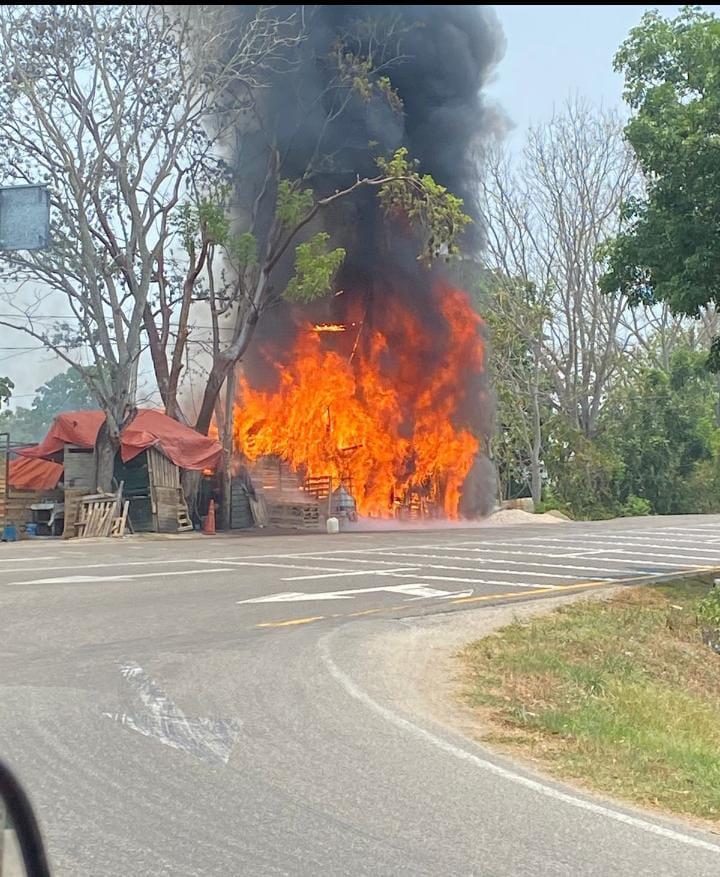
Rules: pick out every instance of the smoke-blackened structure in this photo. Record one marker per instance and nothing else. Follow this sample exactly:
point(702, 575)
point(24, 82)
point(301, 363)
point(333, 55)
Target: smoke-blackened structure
point(327, 130)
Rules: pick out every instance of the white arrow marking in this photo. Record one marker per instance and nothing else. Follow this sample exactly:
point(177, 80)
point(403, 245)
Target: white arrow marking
point(157, 716)
point(414, 590)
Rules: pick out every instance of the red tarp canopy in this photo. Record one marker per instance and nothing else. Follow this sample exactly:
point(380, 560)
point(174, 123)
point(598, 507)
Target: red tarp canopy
point(185, 447)
point(29, 474)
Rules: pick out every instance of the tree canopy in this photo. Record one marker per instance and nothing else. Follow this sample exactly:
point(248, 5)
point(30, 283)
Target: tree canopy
point(67, 391)
point(669, 250)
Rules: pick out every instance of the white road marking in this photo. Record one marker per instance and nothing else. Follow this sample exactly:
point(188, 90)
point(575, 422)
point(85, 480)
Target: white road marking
point(347, 573)
point(627, 545)
point(599, 551)
point(157, 716)
point(417, 589)
point(326, 569)
point(114, 563)
point(505, 584)
point(69, 580)
point(484, 560)
point(25, 559)
point(536, 786)
point(337, 559)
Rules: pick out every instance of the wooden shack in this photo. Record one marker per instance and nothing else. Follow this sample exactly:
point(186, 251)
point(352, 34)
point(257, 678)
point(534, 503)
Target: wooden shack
point(154, 450)
point(23, 484)
point(152, 484)
point(80, 468)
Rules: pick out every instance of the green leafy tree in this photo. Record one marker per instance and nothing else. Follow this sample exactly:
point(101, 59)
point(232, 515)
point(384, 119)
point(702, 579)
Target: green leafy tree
point(670, 248)
point(67, 391)
point(663, 427)
point(516, 318)
point(583, 473)
point(6, 388)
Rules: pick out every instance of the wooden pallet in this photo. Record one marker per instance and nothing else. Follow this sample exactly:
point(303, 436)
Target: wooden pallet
point(183, 516)
point(102, 514)
point(304, 516)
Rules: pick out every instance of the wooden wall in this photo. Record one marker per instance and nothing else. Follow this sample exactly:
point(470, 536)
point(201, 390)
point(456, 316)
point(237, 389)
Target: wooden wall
point(80, 468)
point(15, 507)
point(166, 495)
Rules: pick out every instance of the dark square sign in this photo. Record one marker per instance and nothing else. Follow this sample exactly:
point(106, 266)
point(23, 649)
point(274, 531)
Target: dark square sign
point(24, 218)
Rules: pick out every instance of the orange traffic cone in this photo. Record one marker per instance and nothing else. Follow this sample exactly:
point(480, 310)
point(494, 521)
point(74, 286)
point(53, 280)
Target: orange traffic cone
point(209, 522)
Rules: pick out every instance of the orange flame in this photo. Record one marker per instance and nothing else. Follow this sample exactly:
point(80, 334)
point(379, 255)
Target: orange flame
point(329, 327)
point(379, 419)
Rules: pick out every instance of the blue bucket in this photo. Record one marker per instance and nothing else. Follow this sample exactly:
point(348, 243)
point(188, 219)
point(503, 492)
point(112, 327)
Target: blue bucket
point(9, 533)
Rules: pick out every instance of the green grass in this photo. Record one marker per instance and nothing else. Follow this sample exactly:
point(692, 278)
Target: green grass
point(622, 695)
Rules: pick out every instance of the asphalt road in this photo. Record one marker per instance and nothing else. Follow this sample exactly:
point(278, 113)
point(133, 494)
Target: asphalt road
point(195, 706)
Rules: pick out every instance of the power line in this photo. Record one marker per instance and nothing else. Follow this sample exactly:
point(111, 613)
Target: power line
point(73, 317)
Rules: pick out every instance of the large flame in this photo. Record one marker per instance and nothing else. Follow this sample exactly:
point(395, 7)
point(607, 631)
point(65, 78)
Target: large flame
point(380, 409)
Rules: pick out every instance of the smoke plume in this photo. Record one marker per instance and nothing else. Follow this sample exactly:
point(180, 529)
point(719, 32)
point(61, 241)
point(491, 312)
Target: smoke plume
point(437, 58)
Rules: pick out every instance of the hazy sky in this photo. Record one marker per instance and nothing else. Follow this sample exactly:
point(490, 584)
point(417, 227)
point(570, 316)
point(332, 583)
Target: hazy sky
point(552, 52)
point(555, 51)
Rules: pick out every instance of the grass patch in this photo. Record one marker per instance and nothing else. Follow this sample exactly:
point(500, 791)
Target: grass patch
point(622, 695)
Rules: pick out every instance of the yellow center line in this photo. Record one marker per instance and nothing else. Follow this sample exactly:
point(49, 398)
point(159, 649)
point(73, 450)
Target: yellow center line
point(355, 614)
point(291, 622)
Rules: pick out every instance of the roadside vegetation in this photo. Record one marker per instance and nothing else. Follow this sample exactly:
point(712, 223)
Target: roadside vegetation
point(621, 695)
point(599, 287)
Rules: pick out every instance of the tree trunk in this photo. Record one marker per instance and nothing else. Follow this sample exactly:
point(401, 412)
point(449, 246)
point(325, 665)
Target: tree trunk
point(229, 359)
point(536, 450)
point(159, 359)
point(216, 379)
point(227, 436)
point(535, 479)
point(106, 447)
point(190, 481)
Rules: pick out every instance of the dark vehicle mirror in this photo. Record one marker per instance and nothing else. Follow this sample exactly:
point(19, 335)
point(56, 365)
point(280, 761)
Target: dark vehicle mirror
point(21, 848)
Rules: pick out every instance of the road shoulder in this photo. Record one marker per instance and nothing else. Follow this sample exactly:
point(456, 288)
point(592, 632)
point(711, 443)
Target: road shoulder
point(423, 675)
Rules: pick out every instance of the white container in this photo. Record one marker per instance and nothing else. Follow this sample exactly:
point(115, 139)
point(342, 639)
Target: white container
point(333, 525)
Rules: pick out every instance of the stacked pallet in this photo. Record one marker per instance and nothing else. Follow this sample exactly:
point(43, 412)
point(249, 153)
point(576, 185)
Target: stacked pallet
point(102, 514)
point(319, 486)
point(303, 516)
point(289, 502)
point(168, 504)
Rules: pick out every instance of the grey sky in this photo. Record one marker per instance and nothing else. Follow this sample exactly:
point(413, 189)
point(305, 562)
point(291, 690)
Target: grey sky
point(552, 52)
point(556, 51)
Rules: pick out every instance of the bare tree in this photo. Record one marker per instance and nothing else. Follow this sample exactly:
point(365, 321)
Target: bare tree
point(119, 110)
point(546, 218)
point(517, 322)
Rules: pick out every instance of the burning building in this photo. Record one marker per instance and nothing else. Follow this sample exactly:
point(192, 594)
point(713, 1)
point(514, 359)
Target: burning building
point(381, 387)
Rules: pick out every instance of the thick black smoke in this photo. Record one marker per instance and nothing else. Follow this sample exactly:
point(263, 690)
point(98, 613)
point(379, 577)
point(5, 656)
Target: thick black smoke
point(438, 58)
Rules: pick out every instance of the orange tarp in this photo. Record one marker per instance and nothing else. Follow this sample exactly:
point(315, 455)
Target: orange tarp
point(69, 428)
point(185, 447)
point(29, 474)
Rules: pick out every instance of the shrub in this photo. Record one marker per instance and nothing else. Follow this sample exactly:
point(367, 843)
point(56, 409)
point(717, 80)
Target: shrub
point(635, 507)
point(708, 609)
